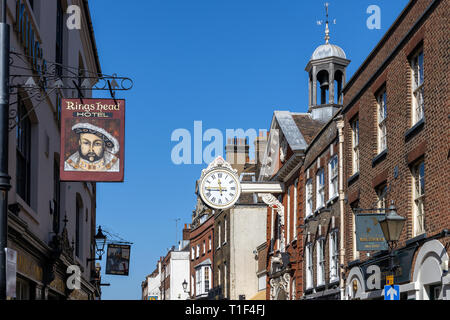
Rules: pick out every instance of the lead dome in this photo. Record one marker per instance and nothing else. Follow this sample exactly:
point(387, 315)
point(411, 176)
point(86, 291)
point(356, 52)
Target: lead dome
point(328, 50)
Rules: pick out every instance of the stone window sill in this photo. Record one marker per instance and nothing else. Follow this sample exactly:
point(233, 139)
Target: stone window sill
point(380, 157)
point(320, 287)
point(353, 178)
point(332, 200)
point(415, 129)
point(318, 210)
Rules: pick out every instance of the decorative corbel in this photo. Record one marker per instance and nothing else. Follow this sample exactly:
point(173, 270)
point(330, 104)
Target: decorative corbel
point(273, 202)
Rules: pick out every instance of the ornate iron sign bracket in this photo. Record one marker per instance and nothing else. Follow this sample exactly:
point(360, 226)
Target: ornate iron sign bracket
point(31, 84)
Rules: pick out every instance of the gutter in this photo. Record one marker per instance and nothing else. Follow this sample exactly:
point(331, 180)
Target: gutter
point(340, 126)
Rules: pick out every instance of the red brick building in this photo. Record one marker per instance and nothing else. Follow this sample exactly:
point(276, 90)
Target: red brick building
point(397, 152)
point(201, 237)
point(289, 136)
point(323, 214)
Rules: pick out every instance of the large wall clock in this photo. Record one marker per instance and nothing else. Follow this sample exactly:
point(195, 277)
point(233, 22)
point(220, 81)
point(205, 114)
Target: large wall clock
point(219, 185)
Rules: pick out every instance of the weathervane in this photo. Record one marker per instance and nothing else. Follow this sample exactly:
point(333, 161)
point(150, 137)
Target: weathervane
point(327, 30)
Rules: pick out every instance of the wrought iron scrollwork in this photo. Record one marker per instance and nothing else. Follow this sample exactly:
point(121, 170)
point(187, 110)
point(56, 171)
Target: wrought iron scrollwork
point(40, 84)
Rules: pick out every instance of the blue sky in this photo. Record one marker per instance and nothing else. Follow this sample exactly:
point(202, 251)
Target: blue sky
point(229, 64)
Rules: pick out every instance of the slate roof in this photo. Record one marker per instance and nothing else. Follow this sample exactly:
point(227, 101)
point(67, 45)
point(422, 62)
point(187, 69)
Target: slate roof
point(308, 127)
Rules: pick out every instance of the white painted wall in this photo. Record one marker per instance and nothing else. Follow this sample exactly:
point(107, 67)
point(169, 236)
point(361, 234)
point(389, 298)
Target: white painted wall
point(179, 271)
point(44, 126)
point(154, 284)
point(247, 231)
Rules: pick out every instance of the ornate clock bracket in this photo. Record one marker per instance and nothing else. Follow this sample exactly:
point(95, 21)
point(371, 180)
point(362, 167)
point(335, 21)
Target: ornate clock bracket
point(273, 202)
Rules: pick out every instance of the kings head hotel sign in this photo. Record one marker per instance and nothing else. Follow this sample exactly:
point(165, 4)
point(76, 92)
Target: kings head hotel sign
point(92, 140)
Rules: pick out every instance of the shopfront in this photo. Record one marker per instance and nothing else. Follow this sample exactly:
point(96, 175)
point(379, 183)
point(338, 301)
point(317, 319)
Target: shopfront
point(422, 272)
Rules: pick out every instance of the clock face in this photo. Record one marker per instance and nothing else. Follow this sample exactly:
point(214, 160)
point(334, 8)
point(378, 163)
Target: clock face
point(220, 189)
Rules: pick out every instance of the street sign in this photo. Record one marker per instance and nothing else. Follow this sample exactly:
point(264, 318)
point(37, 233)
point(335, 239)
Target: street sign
point(389, 280)
point(92, 140)
point(391, 292)
point(369, 236)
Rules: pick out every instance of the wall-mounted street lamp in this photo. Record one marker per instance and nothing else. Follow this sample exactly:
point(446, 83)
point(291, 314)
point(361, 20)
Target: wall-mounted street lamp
point(392, 226)
point(185, 289)
point(185, 284)
point(100, 241)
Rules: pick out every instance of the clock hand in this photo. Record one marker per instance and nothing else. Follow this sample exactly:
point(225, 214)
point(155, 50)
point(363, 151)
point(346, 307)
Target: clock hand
point(220, 186)
point(215, 188)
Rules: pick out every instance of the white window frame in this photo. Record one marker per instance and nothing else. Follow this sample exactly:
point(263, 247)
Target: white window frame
point(225, 230)
point(198, 281)
point(381, 196)
point(333, 174)
point(219, 279)
point(320, 251)
point(418, 197)
point(210, 243)
point(418, 107)
point(288, 225)
point(309, 198)
point(198, 251)
point(382, 116)
point(309, 266)
point(272, 232)
point(192, 253)
point(225, 283)
point(293, 290)
point(355, 145)
point(207, 282)
point(334, 257)
point(295, 208)
point(320, 188)
point(204, 246)
point(219, 235)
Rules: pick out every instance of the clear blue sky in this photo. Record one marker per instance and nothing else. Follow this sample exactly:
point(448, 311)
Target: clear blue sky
point(229, 64)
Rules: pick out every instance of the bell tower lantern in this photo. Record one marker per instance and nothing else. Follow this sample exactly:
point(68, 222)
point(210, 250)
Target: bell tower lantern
point(327, 75)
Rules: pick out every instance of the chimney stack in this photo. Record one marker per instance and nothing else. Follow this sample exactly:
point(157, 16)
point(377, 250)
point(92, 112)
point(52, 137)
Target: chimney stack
point(237, 153)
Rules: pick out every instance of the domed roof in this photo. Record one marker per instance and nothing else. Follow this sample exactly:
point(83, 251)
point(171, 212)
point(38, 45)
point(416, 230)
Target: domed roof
point(328, 50)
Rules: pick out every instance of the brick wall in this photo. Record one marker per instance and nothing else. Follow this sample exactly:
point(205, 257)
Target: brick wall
point(430, 141)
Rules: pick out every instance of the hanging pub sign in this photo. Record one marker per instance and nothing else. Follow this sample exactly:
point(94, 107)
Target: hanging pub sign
point(118, 259)
point(369, 236)
point(92, 140)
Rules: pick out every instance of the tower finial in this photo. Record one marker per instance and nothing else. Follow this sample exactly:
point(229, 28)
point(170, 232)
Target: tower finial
point(327, 29)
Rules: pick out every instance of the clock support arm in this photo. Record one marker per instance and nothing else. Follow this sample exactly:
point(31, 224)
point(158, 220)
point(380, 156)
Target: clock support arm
point(266, 191)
